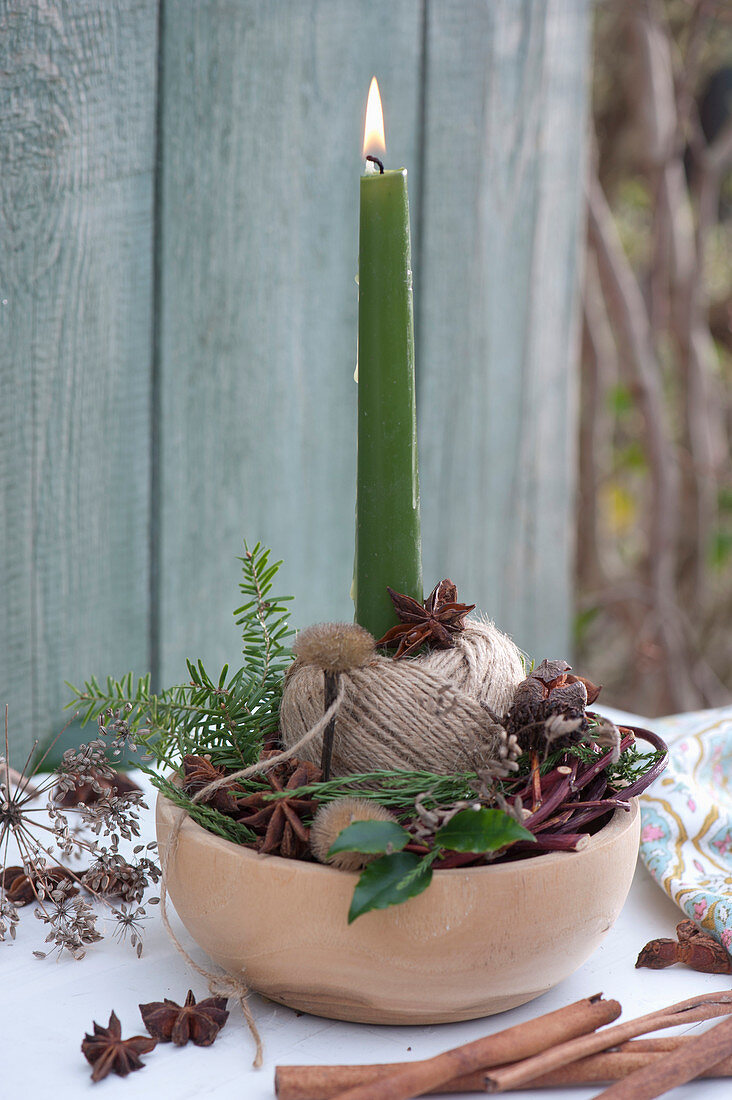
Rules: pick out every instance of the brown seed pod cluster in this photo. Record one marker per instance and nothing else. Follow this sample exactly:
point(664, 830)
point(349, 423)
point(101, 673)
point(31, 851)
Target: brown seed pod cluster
point(692, 947)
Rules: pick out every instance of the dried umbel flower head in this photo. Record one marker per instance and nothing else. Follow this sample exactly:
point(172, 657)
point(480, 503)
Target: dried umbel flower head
point(607, 735)
point(504, 755)
point(335, 647)
point(429, 820)
point(90, 811)
point(332, 818)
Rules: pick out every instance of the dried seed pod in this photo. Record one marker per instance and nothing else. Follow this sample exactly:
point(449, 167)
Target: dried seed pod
point(550, 691)
point(658, 954)
point(334, 647)
point(173, 1023)
point(108, 1052)
point(437, 621)
point(22, 889)
point(332, 818)
point(695, 948)
point(701, 951)
point(607, 735)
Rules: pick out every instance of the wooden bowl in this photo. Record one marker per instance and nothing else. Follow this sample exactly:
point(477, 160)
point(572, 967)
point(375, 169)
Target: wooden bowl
point(479, 940)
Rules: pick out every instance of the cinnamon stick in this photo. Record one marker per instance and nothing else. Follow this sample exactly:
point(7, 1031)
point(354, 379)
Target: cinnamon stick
point(676, 1068)
point(326, 1082)
point(613, 1066)
point(704, 1007)
point(661, 1044)
point(415, 1078)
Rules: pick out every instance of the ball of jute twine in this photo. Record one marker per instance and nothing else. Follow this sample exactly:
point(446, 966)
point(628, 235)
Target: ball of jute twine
point(428, 713)
point(228, 985)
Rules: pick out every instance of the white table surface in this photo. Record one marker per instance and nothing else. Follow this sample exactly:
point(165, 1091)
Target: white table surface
point(46, 1006)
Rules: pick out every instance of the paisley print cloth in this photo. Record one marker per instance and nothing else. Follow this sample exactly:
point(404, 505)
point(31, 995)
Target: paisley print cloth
point(686, 830)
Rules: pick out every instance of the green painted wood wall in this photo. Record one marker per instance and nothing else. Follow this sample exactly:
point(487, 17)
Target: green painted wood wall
point(178, 247)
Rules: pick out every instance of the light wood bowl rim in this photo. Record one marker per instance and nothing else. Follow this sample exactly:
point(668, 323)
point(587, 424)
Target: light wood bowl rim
point(621, 821)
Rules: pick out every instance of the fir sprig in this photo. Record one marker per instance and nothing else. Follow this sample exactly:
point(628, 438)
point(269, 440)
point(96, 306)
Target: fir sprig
point(230, 716)
point(263, 618)
point(204, 815)
point(227, 717)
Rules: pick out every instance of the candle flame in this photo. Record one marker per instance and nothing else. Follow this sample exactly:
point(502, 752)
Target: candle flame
point(374, 143)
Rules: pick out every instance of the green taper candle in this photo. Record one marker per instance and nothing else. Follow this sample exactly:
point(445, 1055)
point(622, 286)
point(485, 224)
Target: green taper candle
point(388, 537)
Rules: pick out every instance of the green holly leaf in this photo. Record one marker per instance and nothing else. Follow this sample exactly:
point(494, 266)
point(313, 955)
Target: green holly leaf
point(389, 881)
point(480, 830)
point(370, 836)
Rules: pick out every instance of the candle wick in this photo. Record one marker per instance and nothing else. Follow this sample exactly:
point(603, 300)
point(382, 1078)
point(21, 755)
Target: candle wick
point(375, 160)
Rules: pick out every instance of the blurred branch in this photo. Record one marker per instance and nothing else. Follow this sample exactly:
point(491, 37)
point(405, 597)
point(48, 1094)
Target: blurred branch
point(719, 154)
point(654, 579)
point(627, 311)
point(662, 140)
point(599, 359)
point(629, 316)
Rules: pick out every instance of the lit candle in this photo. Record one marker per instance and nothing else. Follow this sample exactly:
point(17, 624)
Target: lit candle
point(388, 539)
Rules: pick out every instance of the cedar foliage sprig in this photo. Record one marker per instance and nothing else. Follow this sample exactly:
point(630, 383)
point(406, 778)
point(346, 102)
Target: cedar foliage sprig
point(396, 790)
point(229, 717)
point(632, 765)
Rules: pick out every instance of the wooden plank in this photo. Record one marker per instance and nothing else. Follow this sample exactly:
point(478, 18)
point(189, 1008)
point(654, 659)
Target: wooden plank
point(262, 124)
point(505, 113)
point(77, 114)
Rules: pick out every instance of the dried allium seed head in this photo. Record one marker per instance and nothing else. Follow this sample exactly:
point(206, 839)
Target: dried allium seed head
point(335, 647)
point(332, 819)
point(607, 735)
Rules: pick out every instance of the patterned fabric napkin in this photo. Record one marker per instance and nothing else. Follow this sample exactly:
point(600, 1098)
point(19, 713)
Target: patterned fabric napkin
point(686, 830)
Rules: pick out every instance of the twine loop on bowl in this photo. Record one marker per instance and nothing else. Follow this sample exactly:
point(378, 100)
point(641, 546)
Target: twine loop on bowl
point(228, 985)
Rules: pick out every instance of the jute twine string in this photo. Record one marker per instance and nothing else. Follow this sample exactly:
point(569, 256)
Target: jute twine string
point(431, 713)
point(227, 985)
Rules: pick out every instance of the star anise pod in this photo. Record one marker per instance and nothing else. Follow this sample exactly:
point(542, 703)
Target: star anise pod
point(436, 621)
point(280, 820)
point(89, 794)
point(198, 772)
point(550, 689)
point(108, 1052)
point(173, 1023)
point(20, 889)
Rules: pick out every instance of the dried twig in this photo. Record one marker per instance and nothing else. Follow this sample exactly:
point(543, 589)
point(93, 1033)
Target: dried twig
point(628, 312)
point(658, 307)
